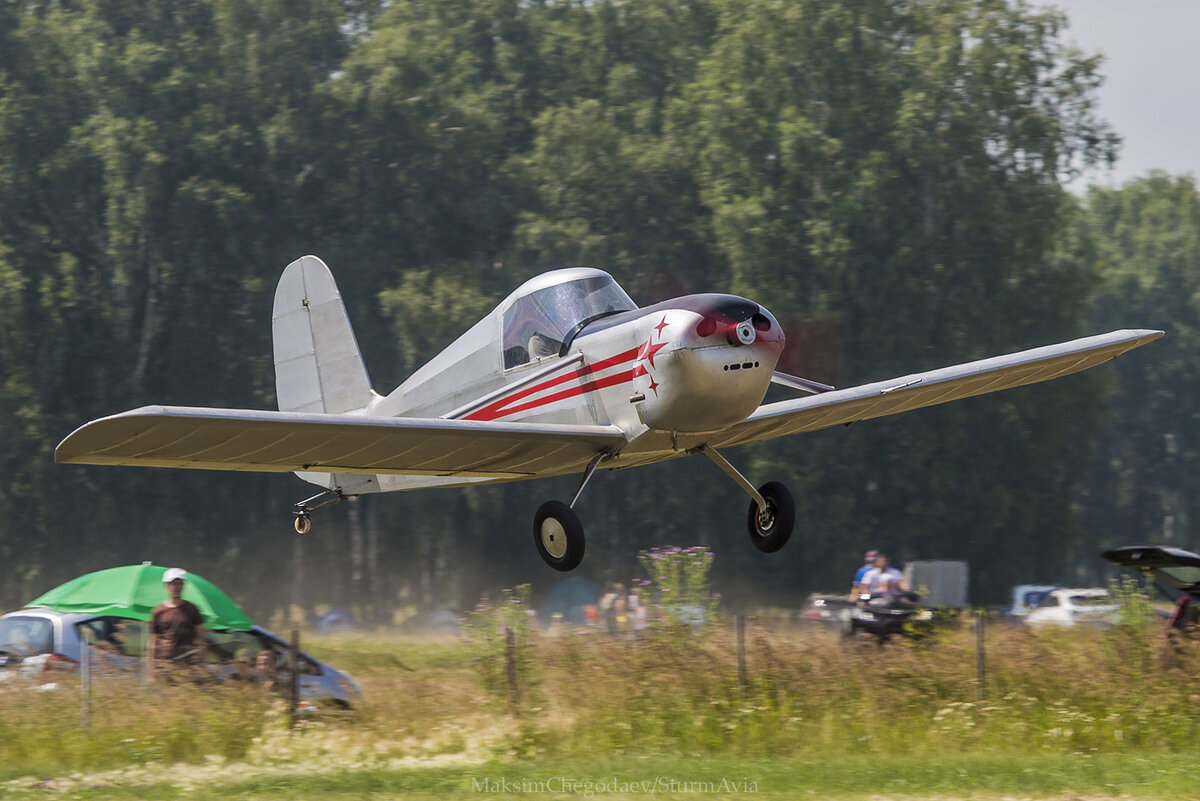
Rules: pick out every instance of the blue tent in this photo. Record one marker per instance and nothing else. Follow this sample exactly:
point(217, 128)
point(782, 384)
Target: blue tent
point(570, 598)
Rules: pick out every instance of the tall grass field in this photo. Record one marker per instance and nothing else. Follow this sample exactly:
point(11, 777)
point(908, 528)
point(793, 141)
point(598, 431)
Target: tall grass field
point(1061, 713)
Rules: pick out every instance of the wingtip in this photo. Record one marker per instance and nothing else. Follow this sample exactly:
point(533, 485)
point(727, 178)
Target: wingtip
point(74, 447)
point(63, 450)
point(1135, 336)
point(1144, 336)
point(72, 450)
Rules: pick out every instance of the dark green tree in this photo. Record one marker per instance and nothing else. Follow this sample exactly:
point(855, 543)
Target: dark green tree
point(896, 169)
point(885, 176)
point(147, 168)
point(1147, 236)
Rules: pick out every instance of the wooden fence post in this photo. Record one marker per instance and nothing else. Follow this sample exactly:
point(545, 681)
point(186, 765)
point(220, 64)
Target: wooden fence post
point(85, 677)
point(739, 627)
point(147, 657)
point(294, 677)
point(510, 662)
point(980, 657)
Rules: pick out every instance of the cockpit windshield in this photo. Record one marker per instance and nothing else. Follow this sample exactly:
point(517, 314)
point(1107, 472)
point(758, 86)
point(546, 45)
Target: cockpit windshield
point(536, 325)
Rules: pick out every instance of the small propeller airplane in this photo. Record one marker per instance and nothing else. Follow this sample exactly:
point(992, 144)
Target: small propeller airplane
point(566, 376)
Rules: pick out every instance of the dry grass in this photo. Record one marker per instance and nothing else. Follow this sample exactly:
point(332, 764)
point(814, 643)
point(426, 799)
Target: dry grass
point(586, 695)
point(42, 730)
point(1055, 691)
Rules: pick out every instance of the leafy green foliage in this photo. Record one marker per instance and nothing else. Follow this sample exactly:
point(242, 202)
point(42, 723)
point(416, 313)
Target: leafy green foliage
point(1147, 249)
point(679, 582)
point(501, 640)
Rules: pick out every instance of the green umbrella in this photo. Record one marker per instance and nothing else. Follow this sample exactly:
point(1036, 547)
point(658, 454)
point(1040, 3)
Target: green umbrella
point(134, 590)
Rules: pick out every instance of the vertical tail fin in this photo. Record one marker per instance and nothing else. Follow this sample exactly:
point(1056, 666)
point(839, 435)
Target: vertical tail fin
point(318, 367)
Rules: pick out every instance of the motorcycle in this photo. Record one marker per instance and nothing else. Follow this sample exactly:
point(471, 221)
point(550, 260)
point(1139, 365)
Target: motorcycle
point(887, 614)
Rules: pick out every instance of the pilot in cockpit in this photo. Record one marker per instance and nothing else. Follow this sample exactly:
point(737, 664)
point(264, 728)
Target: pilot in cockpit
point(536, 325)
point(541, 346)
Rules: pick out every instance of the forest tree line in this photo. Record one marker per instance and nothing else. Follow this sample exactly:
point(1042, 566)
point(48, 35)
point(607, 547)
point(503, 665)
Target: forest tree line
point(889, 177)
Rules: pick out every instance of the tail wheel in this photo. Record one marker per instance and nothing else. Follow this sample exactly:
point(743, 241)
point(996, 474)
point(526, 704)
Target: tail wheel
point(558, 535)
point(302, 524)
point(771, 527)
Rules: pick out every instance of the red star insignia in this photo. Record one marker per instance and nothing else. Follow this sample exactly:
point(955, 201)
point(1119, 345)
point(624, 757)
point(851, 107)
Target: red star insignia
point(661, 325)
point(654, 386)
point(648, 350)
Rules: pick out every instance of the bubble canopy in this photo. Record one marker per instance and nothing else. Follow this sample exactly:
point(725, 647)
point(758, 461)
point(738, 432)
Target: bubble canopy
point(544, 312)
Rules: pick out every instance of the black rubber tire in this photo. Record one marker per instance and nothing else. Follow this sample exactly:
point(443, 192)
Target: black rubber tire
point(783, 518)
point(562, 544)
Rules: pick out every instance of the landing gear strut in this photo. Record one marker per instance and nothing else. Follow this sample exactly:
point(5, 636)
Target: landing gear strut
point(306, 507)
point(557, 532)
point(772, 514)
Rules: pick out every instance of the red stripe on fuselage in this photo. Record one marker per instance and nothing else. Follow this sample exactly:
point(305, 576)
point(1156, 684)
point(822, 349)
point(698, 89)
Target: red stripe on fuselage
point(502, 407)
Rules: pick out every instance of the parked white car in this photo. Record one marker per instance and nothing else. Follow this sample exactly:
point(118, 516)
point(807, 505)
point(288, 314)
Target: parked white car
point(1068, 607)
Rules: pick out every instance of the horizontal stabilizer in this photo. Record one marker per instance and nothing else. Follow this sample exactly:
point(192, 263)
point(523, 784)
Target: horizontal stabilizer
point(263, 441)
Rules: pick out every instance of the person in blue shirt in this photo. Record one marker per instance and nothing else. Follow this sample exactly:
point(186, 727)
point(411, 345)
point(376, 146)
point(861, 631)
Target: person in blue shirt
point(868, 563)
point(882, 580)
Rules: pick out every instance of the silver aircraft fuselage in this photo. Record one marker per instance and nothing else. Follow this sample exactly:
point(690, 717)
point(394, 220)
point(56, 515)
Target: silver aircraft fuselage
point(689, 365)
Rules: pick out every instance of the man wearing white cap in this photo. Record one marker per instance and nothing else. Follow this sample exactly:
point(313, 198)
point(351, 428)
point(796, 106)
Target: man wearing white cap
point(176, 625)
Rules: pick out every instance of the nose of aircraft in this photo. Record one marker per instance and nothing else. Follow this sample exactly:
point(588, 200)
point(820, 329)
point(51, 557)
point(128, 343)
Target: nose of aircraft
point(725, 320)
point(706, 363)
point(744, 333)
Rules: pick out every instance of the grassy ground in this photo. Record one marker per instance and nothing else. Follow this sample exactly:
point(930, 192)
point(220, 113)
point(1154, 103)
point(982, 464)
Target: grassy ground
point(1062, 714)
point(974, 776)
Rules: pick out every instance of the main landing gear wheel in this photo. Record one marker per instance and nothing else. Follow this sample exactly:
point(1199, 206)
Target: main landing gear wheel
point(558, 535)
point(770, 528)
point(302, 524)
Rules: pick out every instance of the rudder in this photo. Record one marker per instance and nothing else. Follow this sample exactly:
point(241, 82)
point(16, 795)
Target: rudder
point(318, 366)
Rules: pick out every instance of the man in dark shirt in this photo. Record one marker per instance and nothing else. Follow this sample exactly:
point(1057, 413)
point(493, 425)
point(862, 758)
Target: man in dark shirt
point(176, 625)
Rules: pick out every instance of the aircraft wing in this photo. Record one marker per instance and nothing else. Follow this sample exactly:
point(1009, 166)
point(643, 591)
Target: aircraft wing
point(284, 442)
point(845, 406)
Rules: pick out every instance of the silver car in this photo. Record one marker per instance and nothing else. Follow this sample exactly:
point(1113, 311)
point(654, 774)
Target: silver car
point(37, 643)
